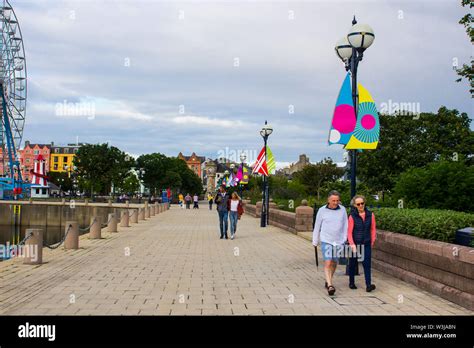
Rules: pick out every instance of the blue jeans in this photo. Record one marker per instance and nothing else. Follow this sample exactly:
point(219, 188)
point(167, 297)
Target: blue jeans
point(223, 222)
point(233, 222)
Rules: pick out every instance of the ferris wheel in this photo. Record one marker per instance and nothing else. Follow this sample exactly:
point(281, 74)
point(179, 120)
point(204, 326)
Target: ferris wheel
point(13, 87)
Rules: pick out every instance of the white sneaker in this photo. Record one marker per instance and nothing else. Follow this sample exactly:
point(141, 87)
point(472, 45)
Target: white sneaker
point(232, 237)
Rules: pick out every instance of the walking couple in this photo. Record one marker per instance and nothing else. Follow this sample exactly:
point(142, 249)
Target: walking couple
point(333, 228)
point(228, 206)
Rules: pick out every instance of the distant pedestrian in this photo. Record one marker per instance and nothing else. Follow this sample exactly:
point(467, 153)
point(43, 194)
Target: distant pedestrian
point(221, 201)
point(236, 210)
point(181, 200)
point(188, 199)
point(210, 200)
point(196, 201)
point(331, 229)
point(361, 235)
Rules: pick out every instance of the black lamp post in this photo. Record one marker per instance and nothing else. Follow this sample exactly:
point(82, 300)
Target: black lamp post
point(265, 133)
point(242, 160)
point(351, 51)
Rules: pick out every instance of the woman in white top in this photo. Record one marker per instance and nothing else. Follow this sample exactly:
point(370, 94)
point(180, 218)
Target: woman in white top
point(236, 211)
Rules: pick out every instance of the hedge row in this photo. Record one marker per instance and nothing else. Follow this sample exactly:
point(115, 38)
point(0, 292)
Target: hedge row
point(431, 224)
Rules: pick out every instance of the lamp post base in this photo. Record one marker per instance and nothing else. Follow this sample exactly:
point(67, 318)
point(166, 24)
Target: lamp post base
point(263, 220)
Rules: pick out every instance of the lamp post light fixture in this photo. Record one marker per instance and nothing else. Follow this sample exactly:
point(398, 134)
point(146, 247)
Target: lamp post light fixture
point(265, 133)
point(350, 50)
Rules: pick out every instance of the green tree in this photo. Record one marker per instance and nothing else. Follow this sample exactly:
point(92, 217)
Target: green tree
point(131, 184)
point(413, 142)
point(163, 172)
point(440, 185)
point(315, 176)
point(467, 71)
point(61, 180)
point(99, 166)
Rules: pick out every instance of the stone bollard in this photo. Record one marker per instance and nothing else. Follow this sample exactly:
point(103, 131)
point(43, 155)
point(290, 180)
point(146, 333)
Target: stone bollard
point(112, 225)
point(124, 219)
point(157, 209)
point(72, 238)
point(134, 216)
point(33, 248)
point(141, 213)
point(31, 200)
point(258, 209)
point(152, 210)
point(304, 218)
point(127, 203)
point(86, 202)
point(63, 201)
point(110, 202)
point(147, 212)
point(96, 227)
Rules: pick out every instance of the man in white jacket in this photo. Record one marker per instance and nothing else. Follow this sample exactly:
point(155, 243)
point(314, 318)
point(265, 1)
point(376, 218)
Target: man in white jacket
point(330, 229)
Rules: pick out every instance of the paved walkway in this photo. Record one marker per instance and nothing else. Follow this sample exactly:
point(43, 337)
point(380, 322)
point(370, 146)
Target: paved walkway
point(178, 265)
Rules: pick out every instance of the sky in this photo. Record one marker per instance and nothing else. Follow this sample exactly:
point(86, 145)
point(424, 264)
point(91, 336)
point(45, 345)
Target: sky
point(203, 76)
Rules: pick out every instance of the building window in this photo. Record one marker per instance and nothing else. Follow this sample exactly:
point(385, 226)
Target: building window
point(55, 159)
point(36, 152)
point(56, 150)
point(65, 159)
point(37, 191)
point(44, 191)
point(55, 167)
point(27, 160)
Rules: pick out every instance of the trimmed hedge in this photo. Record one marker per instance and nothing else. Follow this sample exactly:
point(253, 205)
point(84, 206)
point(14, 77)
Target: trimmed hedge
point(431, 224)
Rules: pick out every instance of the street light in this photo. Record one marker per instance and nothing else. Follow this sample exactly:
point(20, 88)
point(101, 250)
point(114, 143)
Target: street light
point(265, 133)
point(350, 50)
point(242, 160)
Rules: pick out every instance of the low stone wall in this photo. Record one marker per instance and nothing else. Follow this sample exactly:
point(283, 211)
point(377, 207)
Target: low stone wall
point(444, 269)
point(300, 221)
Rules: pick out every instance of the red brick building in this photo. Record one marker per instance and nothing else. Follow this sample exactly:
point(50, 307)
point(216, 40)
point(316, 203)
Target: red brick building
point(28, 154)
point(194, 163)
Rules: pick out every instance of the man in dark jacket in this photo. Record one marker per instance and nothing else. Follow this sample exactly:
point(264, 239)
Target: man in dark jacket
point(222, 201)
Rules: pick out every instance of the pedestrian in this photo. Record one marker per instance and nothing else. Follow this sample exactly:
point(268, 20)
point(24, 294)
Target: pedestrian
point(236, 210)
point(196, 201)
point(361, 236)
point(188, 199)
point(330, 229)
point(210, 199)
point(223, 210)
point(181, 200)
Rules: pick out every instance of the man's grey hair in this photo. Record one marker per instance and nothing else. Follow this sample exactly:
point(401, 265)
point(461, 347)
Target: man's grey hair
point(334, 193)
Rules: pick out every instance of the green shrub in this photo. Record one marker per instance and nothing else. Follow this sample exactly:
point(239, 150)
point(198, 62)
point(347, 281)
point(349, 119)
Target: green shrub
point(439, 185)
point(431, 224)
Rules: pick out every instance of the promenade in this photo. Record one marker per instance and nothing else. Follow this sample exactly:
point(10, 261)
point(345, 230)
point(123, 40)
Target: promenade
point(174, 263)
